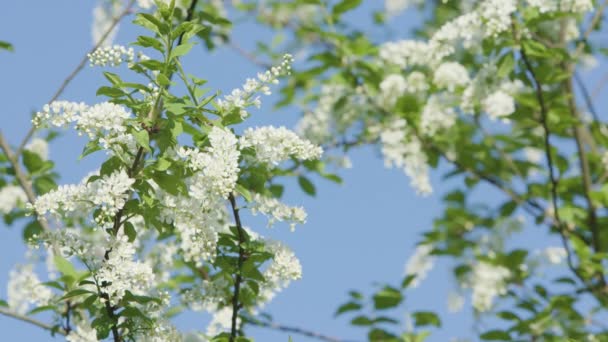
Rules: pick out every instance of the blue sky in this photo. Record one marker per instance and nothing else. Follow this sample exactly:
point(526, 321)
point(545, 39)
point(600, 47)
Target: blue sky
point(358, 233)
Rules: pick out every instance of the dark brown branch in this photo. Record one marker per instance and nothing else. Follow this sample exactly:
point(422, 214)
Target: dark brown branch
point(238, 279)
point(78, 68)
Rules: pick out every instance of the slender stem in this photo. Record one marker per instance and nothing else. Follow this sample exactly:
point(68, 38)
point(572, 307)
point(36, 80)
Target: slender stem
point(79, 67)
point(238, 279)
point(295, 330)
point(561, 228)
point(23, 318)
point(21, 177)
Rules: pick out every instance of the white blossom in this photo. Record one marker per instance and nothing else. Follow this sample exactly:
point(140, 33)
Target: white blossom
point(555, 255)
point(221, 321)
point(499, 104)
point(241, 98)
point(274, 145)
point(112, 56)
point(488, 281)
point(39, 147)
point(403, 150)
point(277, 211)
point(120, 273)
point(25, 289)
point(574, 6)
point(395, 7)
point(419, 264)
point(405, 53)
point(109, 193)
point(82, 333)
point(437, 115)
point(10, 197)
point(391, 88)
point(103, 15)
point(284, 267)
point(450, 75)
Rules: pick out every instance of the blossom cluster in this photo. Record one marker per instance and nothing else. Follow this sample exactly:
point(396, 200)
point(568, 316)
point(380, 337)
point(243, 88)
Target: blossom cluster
point(105, 123)
point(274, 145)
point(241, 98)
point(277, 211)
point(10, 197)
point(109, 193)
point(488, 281)
point(25, 289)
point(419, 264)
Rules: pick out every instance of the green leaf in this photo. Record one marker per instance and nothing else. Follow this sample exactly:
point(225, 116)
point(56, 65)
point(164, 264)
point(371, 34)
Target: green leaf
point(387, 298)
point(495, 335)
point(41, 309)
point(307, 185)
point(130, 231)
point(181, 50)
point(345, 6)
point(172, 184)
point(75, 293)
point(6, 46)
point(109, 92)
point(162, 164)
point(244, 192)
point(361, 321)
point(3, 303)
point(505, 66)
point(142, 138)
point(113, 78)
point(350, 306)
point(32, 161)
point(422, 318)
point(65, 267)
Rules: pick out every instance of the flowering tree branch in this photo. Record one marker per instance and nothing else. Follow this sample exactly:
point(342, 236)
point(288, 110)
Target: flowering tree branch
point(23, 318)
point(79, 67)
point(21, 176)
point(238, 277)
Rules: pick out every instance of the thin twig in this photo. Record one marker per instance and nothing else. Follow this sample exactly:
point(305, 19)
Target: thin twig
point(247, 55)
point(21, 177)
point(238, 279)
point(23, 318)
point(78, 68)
point(295, 330)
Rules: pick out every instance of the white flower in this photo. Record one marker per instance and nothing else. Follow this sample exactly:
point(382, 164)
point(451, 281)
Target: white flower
point(406, 53)
point(416, 82)
point(240, 99)
point(277, 211)
point(574, 6)
point(103, 15)
point(25, 289)
point(533, 155)
point(111, 56)
point(455, 302)
point(499, 104)
point(391, 88)
point(437, 115)
point(274, 145)
point(395, 7)
point(419, 264)
point(10, 197)
point(284, 267)
point(82, 333)
point(488, 281)
point(403, 150)
point(221, 321)
point(120, 273)
point(109, 193)
point(497, 15)
point(40, 147)
point(451, 75)
point(555, 255)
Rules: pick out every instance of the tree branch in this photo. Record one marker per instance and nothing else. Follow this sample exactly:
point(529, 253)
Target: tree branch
point(238, 279)
point(295, 330)
point(23, 318)
point(78, 68)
